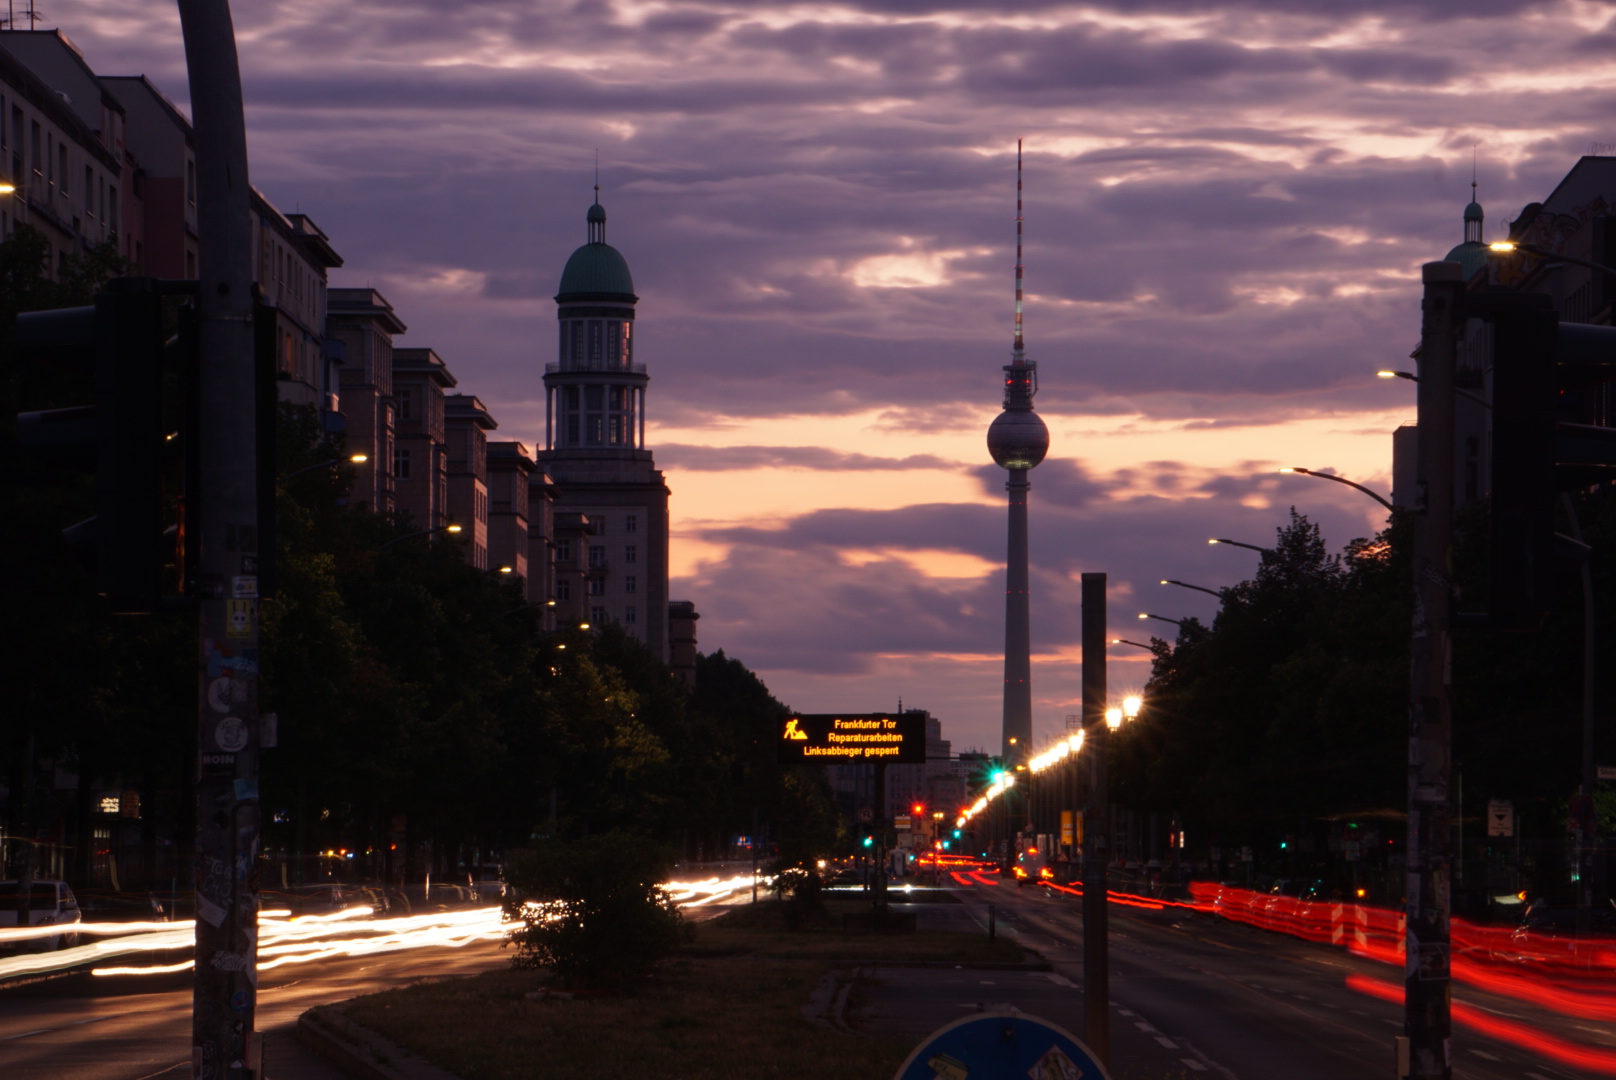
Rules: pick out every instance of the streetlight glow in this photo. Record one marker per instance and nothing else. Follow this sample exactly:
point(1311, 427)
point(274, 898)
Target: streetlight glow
point(1503, 247)
point(505, 569)
point(1113, 718)
point(451, 528)
point(1131, 706)
point(8, 189)
point(359, 459)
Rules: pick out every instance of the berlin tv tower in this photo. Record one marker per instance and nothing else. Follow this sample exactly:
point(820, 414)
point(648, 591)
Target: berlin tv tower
point(1018, 440)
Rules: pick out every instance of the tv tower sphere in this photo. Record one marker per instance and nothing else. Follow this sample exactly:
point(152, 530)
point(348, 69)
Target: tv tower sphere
point(1018, 439)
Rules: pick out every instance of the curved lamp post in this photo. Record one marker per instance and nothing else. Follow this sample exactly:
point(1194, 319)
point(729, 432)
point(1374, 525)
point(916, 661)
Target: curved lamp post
point(1176, 622)
point(1237, 543)
point(449, 528)
point(1135, 644)
point(353, 459)
point(1382, 500)
point(1186, 585)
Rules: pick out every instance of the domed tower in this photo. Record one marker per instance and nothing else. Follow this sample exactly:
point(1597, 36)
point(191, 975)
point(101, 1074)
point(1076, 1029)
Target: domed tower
point(1472, 252)
point(1018, 441)
point(608, 489)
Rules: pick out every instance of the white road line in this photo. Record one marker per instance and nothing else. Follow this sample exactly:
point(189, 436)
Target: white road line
point(1485, 1054)
point(1165, 1041)
point(1193, 1064)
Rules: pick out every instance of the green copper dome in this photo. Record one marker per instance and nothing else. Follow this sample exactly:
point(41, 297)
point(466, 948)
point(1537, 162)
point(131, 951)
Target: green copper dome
point(597, 268)
point(1471, 255)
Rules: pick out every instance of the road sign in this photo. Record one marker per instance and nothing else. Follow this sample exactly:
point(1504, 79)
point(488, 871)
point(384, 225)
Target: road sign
point(1500, 818)
point(1002, 1044)
point(1607, 772)
point(866, 814)
point(865, 738)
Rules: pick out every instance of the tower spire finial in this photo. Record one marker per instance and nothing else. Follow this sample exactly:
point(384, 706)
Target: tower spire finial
point(597, 174)
point(1019, 340)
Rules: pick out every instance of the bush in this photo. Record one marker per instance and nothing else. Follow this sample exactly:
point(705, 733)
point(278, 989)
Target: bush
point(802, 888)
point(593, 909)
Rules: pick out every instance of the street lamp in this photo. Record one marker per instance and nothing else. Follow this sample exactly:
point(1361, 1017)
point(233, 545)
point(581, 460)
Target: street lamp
point(449, 528)
point(1113, 718)
point(1340, 480)
point(1186, 585)
point(1176, 622)
point(7, 189)
point(1237, 543)
point(1135, 644)
point(356, 459)
point(1509, 247)
point(1413, 378)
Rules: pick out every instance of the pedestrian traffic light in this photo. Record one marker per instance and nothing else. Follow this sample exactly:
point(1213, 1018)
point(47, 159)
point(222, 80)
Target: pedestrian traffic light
point(869, 841)
point(120, 436)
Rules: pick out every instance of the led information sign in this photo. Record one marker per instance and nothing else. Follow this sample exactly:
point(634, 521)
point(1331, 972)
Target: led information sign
point(842, 738)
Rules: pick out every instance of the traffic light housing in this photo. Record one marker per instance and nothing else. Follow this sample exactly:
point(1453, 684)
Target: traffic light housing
point(1543, 372)
point(120, 436)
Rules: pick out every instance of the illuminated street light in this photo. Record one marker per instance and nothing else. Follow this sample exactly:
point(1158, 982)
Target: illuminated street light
point(7, 189)
point(356, 459)
point(1131, 706)
point(1509, 247)
point(1340, 480)
point(1163, 618)
point(505, 569)
point(1237, 543)
point(1135, 644)
point(1186, 585)
point(449, 528)
point(1411, 377)
point(1113, 718)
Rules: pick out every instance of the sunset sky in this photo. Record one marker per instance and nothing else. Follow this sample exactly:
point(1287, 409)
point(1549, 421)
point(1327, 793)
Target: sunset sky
point(1226, 210)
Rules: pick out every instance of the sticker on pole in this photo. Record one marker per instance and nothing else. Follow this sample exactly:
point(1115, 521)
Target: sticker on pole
point(1002, 1044)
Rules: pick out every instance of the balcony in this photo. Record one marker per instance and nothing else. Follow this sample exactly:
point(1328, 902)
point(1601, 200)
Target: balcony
point(620, 369)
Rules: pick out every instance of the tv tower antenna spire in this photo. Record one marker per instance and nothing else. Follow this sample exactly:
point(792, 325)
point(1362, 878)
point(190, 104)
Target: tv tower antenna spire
point(1019, 342)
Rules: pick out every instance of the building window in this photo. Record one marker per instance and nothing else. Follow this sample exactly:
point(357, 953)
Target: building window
point(563, 589)
point(629, 583)
point(597, 616)
point(631, 523)
point(573, 430)
point(628, 615)
point(401, 463)
point(597, 586)
point(600, 525)
point(190, 182)
point(629, 553)
point(597, 556)
point(563, 551)
point(406, 404)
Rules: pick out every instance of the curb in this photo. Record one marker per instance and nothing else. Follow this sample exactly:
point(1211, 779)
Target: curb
point(360, 1052)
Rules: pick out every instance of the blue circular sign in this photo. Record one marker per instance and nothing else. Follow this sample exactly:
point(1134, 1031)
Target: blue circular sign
point(1001, 1045)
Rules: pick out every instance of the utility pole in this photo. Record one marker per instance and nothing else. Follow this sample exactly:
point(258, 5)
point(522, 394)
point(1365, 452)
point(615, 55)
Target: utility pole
point(224, 1045)
point(1097, 826)
point(1427, 988)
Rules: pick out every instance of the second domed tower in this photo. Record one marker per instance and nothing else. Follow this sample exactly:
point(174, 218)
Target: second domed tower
point(610, 502)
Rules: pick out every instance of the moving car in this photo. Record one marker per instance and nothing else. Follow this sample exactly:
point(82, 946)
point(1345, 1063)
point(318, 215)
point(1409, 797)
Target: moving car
point(50, 903)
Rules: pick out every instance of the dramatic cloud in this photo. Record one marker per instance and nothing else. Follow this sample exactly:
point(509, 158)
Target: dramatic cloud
point(1226, 208)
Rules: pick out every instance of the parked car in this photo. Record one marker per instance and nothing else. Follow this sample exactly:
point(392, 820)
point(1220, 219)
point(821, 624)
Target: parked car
point(50, 903)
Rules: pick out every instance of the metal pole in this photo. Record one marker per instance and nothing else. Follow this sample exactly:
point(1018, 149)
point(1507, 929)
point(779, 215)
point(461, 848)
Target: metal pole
point(224, 1044)
point(881, 837)
point(1427, 1020)
point(754, 853)
point(1096, 952)
point(1591, 868)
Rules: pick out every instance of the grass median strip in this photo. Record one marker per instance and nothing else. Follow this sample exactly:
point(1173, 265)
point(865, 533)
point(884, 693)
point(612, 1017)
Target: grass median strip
point(731, 1004)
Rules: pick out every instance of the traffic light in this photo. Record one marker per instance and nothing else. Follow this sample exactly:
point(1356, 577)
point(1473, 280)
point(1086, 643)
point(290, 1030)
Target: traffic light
point(120, 437)
point(869, 841)
point(1543, 373)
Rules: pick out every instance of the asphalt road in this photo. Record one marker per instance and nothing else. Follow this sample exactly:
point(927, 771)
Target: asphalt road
point(139, 1028)
point(1253, 1005)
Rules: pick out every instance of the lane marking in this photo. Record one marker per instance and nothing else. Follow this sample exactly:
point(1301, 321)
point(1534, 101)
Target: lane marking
point(1193, 1064)
point(1165, 1041)
point(1485, 1054)
point(160, 1072)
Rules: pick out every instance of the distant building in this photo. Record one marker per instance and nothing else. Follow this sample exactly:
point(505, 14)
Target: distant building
point(509, 477)
point(364, 325)
point(1577, 219)
point(61, 146)
point(420, 439)
point(595, 450)
point(467, 422)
